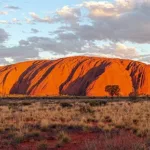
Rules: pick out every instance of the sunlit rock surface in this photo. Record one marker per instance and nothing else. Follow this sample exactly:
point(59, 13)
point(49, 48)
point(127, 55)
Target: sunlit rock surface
point(74, 76)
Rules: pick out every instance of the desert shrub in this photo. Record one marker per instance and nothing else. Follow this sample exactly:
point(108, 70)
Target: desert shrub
point(107, 119)
point(141, 133)
point(85, 128)
point(135, 121)
point(63, 138)
point(26, 103)
point(91, 120)
point(32, 135)
point(97, 103)
point(86, 109)
point(65, 105)
point(13, 105)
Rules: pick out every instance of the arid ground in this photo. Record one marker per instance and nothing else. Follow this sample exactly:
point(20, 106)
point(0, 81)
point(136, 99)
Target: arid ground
point(74, 125)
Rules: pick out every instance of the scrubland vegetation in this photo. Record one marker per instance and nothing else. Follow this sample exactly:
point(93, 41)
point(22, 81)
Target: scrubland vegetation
point(55, 124)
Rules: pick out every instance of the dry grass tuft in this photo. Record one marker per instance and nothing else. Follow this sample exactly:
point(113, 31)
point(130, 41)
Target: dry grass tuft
point(63, 138)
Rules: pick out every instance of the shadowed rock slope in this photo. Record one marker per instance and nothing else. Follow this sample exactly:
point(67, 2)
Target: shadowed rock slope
point(74, 76)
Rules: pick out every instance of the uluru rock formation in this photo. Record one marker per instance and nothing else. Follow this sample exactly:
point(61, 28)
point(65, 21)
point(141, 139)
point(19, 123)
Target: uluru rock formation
point(74, 76)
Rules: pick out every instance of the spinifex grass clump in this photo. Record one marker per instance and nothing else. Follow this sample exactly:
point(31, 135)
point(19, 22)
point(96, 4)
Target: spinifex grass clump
point(63, 138)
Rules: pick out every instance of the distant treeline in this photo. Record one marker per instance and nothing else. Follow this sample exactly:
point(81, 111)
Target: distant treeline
point(117, 98)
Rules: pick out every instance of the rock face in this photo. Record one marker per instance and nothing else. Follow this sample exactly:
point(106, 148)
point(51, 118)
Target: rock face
point(74, 76)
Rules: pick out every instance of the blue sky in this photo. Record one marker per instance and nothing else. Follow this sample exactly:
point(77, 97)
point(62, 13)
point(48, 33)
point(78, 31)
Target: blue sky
point(31, 29)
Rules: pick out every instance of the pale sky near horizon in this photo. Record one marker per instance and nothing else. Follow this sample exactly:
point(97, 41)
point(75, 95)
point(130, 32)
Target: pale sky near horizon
point(31, 29)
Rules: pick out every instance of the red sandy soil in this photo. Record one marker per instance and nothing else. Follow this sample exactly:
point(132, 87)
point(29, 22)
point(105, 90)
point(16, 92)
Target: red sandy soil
point(116, 140)
point(74, 76)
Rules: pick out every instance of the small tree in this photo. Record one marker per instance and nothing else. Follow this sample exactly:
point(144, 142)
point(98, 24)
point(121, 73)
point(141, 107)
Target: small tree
point(113, 90)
